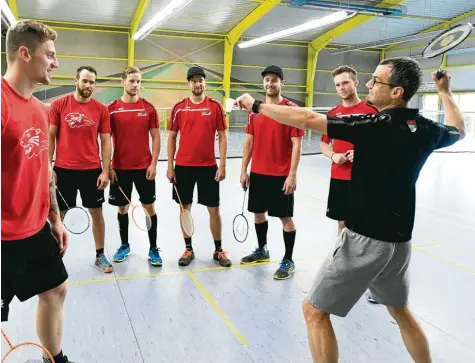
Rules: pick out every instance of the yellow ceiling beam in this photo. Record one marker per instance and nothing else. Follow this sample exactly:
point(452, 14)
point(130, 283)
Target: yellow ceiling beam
point(441, 25)
point(235, 33)
point(134, 26)
point(14, 8)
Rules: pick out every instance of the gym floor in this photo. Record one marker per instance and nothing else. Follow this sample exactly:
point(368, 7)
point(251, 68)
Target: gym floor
point(206, 313)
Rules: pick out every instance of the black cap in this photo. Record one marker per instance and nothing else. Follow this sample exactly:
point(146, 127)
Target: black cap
point(273, 69)
point(195, 71)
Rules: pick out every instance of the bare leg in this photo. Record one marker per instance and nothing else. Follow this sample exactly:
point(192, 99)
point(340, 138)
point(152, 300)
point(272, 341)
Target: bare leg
point(288, 224)
point(341, 225)
point(259, 218)
point(215, 222)
point(412, 334)
point(49, 318)
point(321, 335)
point(98, 227)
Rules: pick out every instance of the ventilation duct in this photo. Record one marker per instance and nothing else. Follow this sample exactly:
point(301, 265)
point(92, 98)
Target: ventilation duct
point(349, 6)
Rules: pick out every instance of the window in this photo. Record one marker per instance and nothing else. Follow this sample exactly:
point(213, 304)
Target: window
point(466, 102)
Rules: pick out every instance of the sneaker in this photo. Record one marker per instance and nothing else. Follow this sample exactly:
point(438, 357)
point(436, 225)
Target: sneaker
point(64, 359)
point(122, 253)
point(371, 300)
point(186, 257)
point(286, 269)
point(221, 257)
point(154, 257)
point(257, 256)
point(103, 264)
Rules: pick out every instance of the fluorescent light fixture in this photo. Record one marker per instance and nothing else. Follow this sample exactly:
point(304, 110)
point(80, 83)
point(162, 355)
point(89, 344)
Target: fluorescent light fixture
point(162, 16)
point(313, 24)
point(7, 14)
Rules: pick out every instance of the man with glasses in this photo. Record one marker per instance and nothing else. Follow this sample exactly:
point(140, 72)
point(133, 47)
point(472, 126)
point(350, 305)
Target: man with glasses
point(374, 249)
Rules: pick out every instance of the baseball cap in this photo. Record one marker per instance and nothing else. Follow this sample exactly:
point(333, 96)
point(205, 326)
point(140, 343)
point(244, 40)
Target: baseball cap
point(195, 71)
point(273, 69)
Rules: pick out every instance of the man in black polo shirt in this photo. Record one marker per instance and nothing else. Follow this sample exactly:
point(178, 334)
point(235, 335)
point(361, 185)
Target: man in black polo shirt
point(375, 247)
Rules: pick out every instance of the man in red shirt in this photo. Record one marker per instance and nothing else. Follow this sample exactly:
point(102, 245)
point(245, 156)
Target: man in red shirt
point(275, 152)
point(341, 152)
point(197, 118)
point(133, 121)
point(32, 248)
point(75, 122)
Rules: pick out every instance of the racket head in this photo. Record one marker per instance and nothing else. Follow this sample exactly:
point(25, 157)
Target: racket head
point(76, 220)
point(447, 40)
point(240, 228)
point(30, 352)
point(141, 218)
point(187, 223)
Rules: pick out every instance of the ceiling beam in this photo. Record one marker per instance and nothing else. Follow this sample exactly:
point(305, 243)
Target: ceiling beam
point(134, 26)
point(439, 26)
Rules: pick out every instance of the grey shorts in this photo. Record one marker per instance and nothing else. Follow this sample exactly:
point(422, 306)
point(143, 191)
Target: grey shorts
point(356, 264)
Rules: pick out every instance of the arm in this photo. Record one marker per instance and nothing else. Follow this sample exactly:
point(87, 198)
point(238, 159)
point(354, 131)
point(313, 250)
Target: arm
point(246, 158)
point(296, 152)
point(171, 149)
point(326, 149)
point(106, 152)
point(453, 116)
point(223, 149)
point(156, 144)
point(53, 131)
point(53, 215)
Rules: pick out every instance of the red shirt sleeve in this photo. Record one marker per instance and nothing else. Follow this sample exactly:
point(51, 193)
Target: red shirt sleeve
point(250, 124)
point(295, 132)
point(173, 124)
point(5, 113)
point(105, 123)
point(54, 114)
point(153, 121)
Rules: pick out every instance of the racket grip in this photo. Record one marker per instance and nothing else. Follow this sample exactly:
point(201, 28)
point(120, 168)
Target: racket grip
point(440, 73)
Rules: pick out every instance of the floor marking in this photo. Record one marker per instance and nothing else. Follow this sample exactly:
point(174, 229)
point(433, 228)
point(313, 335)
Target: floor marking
point(427, 245)
point(216, 307)
point(448, 262)
point(131, 277)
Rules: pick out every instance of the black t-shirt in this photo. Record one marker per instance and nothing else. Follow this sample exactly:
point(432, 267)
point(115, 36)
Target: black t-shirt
point(390, 150)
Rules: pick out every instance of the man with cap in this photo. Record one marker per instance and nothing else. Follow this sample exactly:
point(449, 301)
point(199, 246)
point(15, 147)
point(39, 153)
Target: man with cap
point(197, 118)
point(275, 152)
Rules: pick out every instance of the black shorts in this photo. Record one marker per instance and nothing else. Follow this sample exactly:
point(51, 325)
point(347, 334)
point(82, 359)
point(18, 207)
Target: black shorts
point(266, 195)
point(127, 179)
point(30, 266)
point(70, 181)
point(204, 177)
point(338, 199)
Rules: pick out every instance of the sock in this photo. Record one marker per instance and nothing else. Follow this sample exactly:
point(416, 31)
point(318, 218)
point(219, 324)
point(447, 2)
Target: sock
point(99, 252)
point(261, 231)
point(188, 243)
point(152, 233)
point(59, 358)
point(289, 240)
point(217, 244)
point(124, 228)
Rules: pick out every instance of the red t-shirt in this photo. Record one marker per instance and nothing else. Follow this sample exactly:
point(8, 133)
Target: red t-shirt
point(197, 124)
point(343, 171)
point(272, 149)
point(25, 179)
point(79, 125)
point(131, 124)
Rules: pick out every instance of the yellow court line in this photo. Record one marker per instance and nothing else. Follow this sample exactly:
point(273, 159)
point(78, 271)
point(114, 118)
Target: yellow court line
point(426, 245)
point(217, 308)
point(446, 261)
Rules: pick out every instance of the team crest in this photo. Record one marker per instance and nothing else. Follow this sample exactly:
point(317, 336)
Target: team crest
point(76, 120)
point(412, 125)
point(206, 113)
point(34, 141)
point(142, 113)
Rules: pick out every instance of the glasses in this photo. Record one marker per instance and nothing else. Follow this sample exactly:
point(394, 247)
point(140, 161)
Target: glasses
point(373, 81)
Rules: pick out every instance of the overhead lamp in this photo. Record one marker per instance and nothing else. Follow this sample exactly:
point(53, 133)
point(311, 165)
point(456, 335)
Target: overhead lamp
point(7, 14)
point(310, 25)
point(173, 7)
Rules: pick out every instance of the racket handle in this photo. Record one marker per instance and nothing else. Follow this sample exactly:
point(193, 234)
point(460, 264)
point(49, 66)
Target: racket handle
point(440, 73)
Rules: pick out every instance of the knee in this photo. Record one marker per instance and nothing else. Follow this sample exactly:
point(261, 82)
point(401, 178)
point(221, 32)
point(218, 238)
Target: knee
point(399, 313)
point(259, 218)
point(312, 314)
point(124, 210)
point(213, 211)
point(54, 296)
point(96, 213)
point(287, 222)
point(150, 208)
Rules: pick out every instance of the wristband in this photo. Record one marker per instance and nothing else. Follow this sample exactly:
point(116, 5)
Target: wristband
point(255, 106)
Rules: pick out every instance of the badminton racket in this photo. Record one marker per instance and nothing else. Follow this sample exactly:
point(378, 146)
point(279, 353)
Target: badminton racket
point(186, 220)
point(446, 41)
point(76, 219)
point(140, 216)
point(240, 223)
point(25, 352)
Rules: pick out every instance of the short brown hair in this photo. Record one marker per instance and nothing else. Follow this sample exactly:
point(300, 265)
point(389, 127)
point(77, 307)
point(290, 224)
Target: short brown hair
point(129, 70)
point(345, 69)
point(87, 68)
point(28, 33)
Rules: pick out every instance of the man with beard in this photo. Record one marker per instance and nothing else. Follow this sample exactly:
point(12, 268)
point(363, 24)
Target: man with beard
point(197, 118)
point(34, 240)
point(275, 152)
point(133, 121)
point(341, 152)
point(75, 122)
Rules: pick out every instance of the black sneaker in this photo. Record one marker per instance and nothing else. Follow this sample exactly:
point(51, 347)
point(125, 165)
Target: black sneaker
point(186, 257)
point(221, 257)
point(257, 256)
point(371, 300)
point(286, 269)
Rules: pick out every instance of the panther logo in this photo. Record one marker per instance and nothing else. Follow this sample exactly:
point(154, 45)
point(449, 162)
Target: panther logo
point(76, 120)
point(34, 141)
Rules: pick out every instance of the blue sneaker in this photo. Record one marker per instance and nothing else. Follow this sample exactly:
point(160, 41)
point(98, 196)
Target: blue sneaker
point(154, 257)
point(286, 269)
point(122, 253)
point(103, 265)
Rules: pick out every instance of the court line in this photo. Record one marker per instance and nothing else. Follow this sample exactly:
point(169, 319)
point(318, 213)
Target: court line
point(426, 245)
point(217, 308)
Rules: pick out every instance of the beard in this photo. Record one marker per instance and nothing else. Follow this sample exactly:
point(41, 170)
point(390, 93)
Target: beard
point(197, 91)
point(132, 93)
point(84, 92)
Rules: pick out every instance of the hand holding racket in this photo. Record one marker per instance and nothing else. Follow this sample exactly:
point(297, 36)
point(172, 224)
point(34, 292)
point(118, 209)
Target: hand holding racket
point(240, 223)
point(29, 352)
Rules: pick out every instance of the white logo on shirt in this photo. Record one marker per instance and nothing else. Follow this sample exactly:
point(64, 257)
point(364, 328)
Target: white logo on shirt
point(76, 120)
point(34, 141)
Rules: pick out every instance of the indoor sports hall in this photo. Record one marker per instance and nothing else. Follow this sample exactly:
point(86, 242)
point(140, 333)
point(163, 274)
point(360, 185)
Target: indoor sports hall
point(204, 312)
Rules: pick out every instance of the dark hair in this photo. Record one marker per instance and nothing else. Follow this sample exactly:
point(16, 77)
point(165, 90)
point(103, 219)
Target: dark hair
point(406, 73)
point(87, 68)
point(345, 69)
point(27, 33)
point(129, 70)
